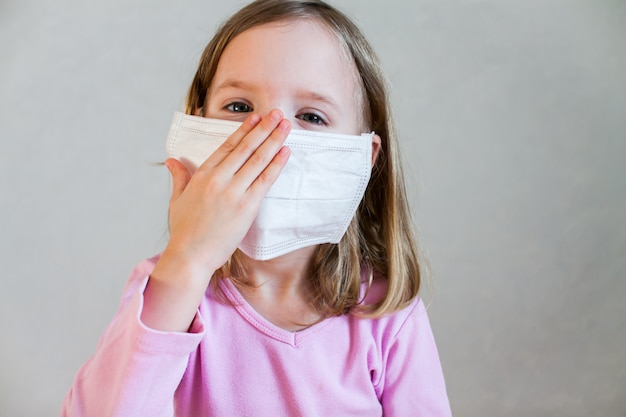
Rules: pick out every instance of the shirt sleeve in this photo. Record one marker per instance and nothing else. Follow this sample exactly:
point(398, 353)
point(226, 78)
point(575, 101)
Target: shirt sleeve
point(414, 383)
point(135, 370)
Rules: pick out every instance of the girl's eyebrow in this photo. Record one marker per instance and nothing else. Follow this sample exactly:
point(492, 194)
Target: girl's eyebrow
point(312, 95)
point(230, 83)
point(300, 94)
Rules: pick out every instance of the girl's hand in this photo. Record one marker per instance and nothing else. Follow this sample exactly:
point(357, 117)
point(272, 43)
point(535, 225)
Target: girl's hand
point(210, 213)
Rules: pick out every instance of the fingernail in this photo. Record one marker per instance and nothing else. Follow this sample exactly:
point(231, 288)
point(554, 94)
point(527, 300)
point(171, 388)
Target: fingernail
point(254, 119)
point(284, 125)
point(275, 116)
point(284, 151)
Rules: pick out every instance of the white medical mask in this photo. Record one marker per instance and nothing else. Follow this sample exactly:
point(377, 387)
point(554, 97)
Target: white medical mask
point(314, 198)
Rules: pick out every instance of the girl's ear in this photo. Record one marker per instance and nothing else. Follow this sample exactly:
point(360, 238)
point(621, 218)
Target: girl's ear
point(376, 143)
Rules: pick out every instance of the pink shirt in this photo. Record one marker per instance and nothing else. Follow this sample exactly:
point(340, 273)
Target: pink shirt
point(233, 362)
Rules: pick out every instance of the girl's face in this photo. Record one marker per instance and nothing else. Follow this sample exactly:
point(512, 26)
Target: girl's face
point(298, 67)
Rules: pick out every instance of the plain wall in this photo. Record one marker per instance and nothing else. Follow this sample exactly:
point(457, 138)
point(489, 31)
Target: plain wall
point(512, 118)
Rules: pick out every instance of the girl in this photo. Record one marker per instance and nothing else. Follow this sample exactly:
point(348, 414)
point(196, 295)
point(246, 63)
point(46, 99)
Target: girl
point(259, 304)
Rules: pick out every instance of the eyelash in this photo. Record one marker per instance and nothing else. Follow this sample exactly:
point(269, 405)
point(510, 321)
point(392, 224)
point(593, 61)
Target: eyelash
point(317, 119)
point(231, 107)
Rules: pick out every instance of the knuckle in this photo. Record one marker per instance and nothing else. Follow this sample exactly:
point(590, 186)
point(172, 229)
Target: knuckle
point(267, 177)
point(245, 148)
point(257, 159)
point(215, 184)
point(228, 146)
point(231, 196)
point(267, 125)
point(209, 182)
point(242, 206)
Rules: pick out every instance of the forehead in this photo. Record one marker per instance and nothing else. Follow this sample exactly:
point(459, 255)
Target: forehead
point(288, 52)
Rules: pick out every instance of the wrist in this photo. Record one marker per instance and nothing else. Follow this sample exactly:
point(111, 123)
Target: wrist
point(174, 291)
point(180, 269)
point(191, 262)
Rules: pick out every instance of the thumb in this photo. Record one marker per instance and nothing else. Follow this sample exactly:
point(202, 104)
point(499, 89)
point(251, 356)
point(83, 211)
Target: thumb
point(180, 176)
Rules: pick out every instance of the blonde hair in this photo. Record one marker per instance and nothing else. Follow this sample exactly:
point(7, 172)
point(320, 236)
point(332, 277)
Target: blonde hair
point(380, 239)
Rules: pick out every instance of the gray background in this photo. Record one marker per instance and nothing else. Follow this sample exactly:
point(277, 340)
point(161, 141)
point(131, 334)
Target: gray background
point(513, 121)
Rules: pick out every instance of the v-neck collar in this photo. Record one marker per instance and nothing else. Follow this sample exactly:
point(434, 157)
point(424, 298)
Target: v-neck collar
point(262, 324)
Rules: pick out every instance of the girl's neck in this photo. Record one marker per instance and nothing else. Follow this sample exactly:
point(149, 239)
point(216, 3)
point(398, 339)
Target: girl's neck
point(287, 272)
point(280, 290)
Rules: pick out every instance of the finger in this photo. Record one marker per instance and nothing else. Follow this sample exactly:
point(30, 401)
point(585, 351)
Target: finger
point(233, 140)
point(263, 156)
point(180, 177)
point(264, 181)
point(251, 142)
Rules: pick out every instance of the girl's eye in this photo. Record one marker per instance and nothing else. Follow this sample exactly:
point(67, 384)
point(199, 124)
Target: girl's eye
point(239, 107)
point(312, 118)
